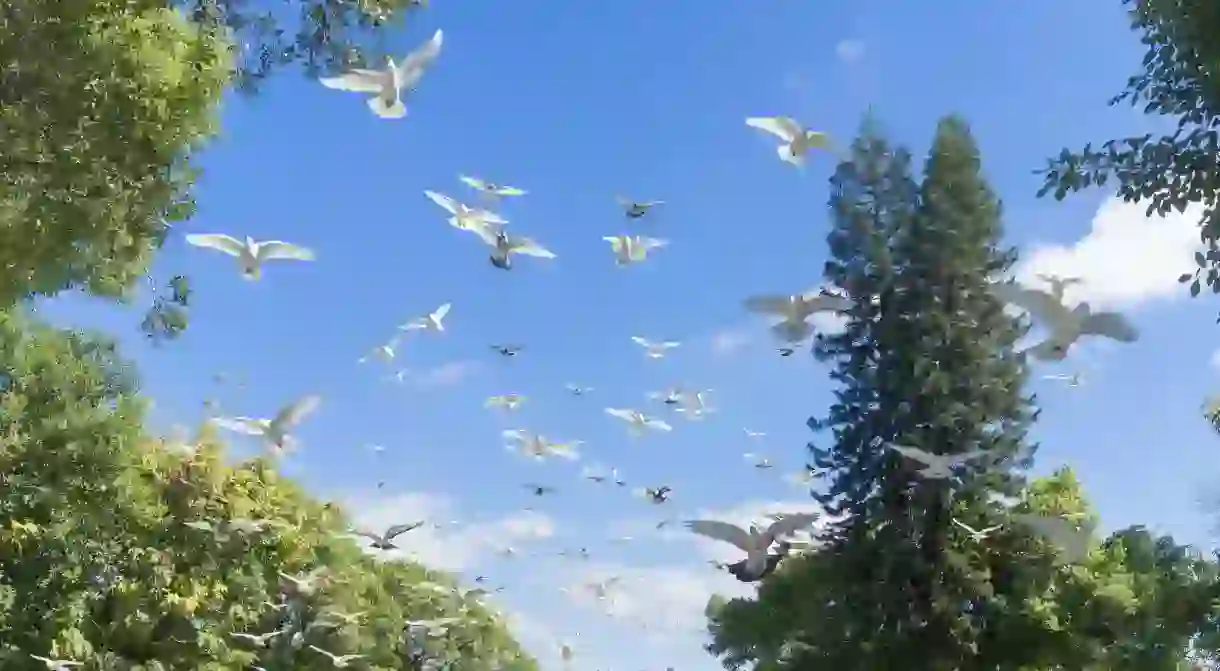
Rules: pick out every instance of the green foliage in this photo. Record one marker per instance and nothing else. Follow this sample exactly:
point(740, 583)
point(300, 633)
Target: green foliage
point(102, 558)
point(168, 316)
point(1180, 79)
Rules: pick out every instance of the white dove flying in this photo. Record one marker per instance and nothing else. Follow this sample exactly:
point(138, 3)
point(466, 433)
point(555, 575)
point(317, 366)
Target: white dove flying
point(538, 446)
point(433, 321)
point(795, 310)
point(937, 466)
point(693, 405)
point(756, 542)
point(976, 535)
point(490, 189)
point(275, 431)
point(251, 255)
point(388, 84)
point(507, 402)
point(637, 209)
point(654, 350)
point(638, 422)
point(1059, 285)
point(505, 244)
point(1066, 325)
point(629, 249)
point(384, 353)
point(464, 217)
point(57, 664)
point(337, 661)
point(796, 141)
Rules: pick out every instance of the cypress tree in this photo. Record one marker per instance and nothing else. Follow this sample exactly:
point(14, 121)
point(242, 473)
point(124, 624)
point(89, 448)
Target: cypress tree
point(927, 361)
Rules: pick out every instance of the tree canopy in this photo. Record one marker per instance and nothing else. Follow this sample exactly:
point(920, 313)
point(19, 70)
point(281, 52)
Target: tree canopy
point(133, 553)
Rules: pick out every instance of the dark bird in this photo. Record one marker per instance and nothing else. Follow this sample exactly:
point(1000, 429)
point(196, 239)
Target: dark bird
point(386, 541)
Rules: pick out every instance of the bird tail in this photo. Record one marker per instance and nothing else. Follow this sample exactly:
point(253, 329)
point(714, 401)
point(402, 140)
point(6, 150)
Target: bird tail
point(251, 273)
point(788, 156)
point(392, 109)
point(792, 331)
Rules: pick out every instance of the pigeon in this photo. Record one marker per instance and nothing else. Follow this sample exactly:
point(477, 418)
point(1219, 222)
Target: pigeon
point(338, 661)
point(577, 390)
point(601, 588)
point(306, 584)
point(57, 664)
point(637, 209)
point(758, 461)
point(251, 255)
point(976, 535)
point(795, 140)
point(1073, 380)
point(1066, 326)
point(387, 85)
point(433, 321)
point(505, 244)
point(490, 189)
point(274, 432)
point(507, 402)
point(756, 542)
point(694, 405)
point(599, 475)
point(1072, 540)
point(1059, 285)
point(507, 350)
point(657, 495)
point(937, 466)
point(754, 435)
point(539, 446)
point(259, 640)
point(672, 397)
point(385, 353)
point(786, 351)
point(795, 310)
point(638, 421)
point(629, 249)
point(539, 490)
point(464, 217)
point(654, 350)
point(386, 541)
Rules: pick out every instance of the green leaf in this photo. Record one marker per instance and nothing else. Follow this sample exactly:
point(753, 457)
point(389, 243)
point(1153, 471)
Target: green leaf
point(1200, 260)
point(1185, 277)
point(1194, 288)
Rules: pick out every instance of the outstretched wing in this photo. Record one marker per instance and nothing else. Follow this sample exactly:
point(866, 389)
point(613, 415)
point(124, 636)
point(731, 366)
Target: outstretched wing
point(217, 241)
point(410, 69)
point(1045, 308)
point(246, 425)
point(782, 127)
point(722, 531)
point(1111, 325)
point(357, 81)
point(789, 524)
point(769, 304)
point(400, 529)
point(473, 182)
point(275, 249)
point(296, 411)
point(528, 247)
point(444, 201)
point(925, 458)
point(625, 415)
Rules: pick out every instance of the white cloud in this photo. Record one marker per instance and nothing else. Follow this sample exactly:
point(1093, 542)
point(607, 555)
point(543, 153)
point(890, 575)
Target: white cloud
point(446, 543)
point(1125, 260)
point(849, 51)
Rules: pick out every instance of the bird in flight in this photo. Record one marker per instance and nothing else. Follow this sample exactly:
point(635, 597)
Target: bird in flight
point(274, 431)
point(1066, 325)
point(387, 84)
point(937, 466)
point(756, 542)
point(385, 541)
point(795, 141)
point(637, 209)
point(251, 255)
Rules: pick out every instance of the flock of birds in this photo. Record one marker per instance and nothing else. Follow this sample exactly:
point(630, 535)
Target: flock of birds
point(763, 546)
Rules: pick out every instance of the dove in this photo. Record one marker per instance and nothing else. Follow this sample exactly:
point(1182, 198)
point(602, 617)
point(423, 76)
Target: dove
point(259, 640)
point(433, 321)
point(505, 244)
point(754, 435)
point(338, 661)
point(464, 217)
point(795, 310)
point(638, 421)
point(786, 351)
point(976, 535)
point(386, 541)
point(57, 664)
point(656, 495)
point(251, 255)
point(756, 542)
point(388, 84)
point(637, 209)
point(1073, 380)
point(507, 402)
point(508, 350)
point(758, 461)
point(274, 432)
point(349, 619)
point(577, 390)
point(654, 350)
point(490, 189)
point(384, 353)
point(601, 588)
point(693, 405)
point(539, 446)
point(937, 466)
point(306, 583)
point(630, 249)
point(599, 475)
point(1059, 285)
point(1066, 326)
point(672, 397)
point(795, 140)
point(1073, 541)
point(539, 490)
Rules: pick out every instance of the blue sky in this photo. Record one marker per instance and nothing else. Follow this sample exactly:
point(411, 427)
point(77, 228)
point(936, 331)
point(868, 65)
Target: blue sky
point(578, 102)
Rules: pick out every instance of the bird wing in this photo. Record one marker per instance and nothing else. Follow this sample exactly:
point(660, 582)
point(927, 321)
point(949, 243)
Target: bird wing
point(1043, 306)
point(825, 303)
point(1111, 325)
point(515, 434)
point(658, 424)
point(357, 80)
point(411, 67)
point(276, 249)
point(642, 342)
point(509, 191)
point(528, 247)
point(792, 331)
point(651, 243)
point(923, 457)
point(400, 529)
point(969, 529)
point(768, 304)
point(489, 232)
point(296, 411)
point(473, 182)
point(626, 415)
point(246, 425)
point(217, 241)
point(444, 201)
point(440, 312)
point(782, 127)
point(788, 524)
point(723, 531)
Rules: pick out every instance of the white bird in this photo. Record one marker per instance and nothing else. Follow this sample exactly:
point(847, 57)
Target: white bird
point(259, 640)
point(433, 321)
point(251, 255)
point(505, 244)
point(601, 589)
point(694, 405)
point(539, 446)
point(754, 435)
point(654, 350)
point(638, 421)
point(599, 475)
point(1059, 285)
point(1066, 325)
point(465, 217)
point(755, 543)
point(57, 664)
point(629, 249)
point(976, 535)
point(937, 466)
point(383, 353)
point(671, 397)
point(796, 140)
point(1073, 380)
point(637, 209)
point(306, 584)
point(795, 310)
point(758, 461)
point(388, 84)
point(577, 390)
point(490, 189)
point(338, 661)
point(1072, 540)
point(275, 431)
point(508, 402)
